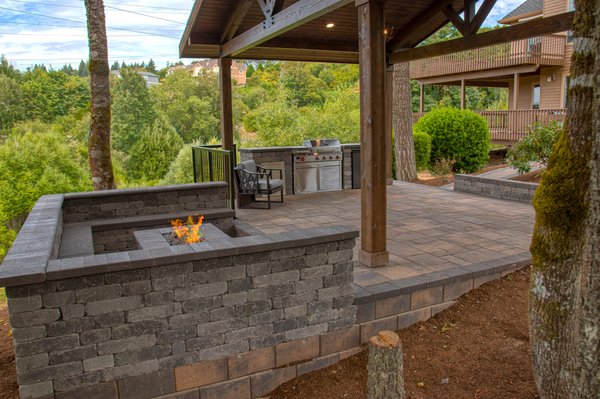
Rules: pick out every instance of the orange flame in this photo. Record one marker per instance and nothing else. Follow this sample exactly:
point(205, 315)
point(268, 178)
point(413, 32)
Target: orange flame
point(188, 232)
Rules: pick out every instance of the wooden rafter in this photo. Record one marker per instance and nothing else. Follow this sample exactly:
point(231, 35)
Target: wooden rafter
point(470, 24)
point(399, 40)
point(544, 26)
point(289, 18)
point(235, 19)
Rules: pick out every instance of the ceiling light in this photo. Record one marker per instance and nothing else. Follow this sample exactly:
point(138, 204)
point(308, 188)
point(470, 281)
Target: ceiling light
point(330, 25)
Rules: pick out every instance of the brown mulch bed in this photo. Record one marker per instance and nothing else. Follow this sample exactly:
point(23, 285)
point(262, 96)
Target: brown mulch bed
point(477, 349)
point(427, 179)
point(8, 374)
point(531, 177)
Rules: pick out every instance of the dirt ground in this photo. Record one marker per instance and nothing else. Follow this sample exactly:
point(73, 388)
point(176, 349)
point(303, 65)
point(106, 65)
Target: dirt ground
point(8, 374)
point(477, 349)
point(531, 177)
point(426, 178)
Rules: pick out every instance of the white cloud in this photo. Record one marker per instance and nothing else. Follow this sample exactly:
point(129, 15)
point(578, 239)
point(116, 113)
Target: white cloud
point(28, 39)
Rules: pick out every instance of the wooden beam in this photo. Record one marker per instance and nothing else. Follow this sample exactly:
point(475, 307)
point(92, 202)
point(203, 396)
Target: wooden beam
point(373, 191)
point(235, 19)
point(397, 42)
point(455, 19)
point(226, 103)
point(289, 18)
point(482, 14)
point(491, 73)
point(293, 54)
point(188, 27)
point(556, 23)
point(516, 89)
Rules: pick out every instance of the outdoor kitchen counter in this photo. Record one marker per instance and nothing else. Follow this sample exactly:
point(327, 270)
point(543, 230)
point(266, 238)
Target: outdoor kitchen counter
point(282, 158)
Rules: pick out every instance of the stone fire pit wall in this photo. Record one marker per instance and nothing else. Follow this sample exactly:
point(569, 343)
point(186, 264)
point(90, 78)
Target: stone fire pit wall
point(230, 318)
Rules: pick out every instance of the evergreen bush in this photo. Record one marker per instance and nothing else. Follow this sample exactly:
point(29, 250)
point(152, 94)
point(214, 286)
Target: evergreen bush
point(460, 135)
point(422, 149)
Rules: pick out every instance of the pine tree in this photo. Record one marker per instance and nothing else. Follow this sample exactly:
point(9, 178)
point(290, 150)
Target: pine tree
point(250, 71)
point(151, 67)
point(83, 69)
point(115, 66)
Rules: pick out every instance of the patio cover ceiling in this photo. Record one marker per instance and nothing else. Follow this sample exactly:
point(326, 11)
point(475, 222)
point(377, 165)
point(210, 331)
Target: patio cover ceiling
point(211, 30)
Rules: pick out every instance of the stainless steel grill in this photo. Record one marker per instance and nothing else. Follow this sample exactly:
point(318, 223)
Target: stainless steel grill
point(319, 166)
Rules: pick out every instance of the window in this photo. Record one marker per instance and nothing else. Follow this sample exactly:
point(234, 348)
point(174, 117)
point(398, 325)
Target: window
point(536, 96)
point(566, 82)
point(571, 5)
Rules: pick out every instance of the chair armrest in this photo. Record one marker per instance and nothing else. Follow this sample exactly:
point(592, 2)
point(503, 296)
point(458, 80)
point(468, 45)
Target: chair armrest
point(270, 171)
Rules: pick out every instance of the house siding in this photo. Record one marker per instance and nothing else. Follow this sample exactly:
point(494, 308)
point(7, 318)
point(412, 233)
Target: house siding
point(551, 91)
point(554, 7)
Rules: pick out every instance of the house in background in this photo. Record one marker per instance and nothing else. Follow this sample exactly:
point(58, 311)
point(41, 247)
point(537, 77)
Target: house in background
point(150, 78)
point(238, 69)
point(535, 71)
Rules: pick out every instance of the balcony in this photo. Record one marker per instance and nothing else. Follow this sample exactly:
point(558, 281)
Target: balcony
point(511, 126)
point(539, 50)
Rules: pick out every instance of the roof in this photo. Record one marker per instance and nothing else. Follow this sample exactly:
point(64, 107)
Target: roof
point(308, 39)
point(528, 8)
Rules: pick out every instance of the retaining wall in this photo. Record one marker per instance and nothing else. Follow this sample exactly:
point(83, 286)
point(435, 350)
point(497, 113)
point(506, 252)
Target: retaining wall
point(495, 188)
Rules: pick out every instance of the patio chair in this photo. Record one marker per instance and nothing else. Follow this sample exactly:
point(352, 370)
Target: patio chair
point(253, 180)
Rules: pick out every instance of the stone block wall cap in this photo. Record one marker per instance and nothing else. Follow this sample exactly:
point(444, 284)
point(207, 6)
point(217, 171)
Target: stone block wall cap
point(272, 149)
point(145, 190)
point(19, 271)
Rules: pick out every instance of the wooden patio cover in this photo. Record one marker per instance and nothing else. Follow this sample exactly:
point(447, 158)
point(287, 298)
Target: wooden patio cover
point(373, 33)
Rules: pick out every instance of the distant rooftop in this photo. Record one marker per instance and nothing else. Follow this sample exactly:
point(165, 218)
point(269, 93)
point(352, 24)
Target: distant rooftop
point(528, 7)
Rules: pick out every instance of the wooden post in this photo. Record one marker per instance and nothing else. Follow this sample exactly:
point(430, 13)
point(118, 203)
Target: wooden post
point(421, 98)
point(516, 90)
point(389, 148)
point(462, 94)
point(226, 103)
point(385, 367)
point(372, 55)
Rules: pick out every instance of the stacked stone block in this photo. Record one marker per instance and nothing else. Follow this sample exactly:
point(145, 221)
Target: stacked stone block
point(82, 207)
point(107, 332)
point(511, 190)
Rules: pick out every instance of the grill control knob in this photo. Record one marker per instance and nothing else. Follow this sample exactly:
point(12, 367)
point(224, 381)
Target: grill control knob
point(337, 157)
point(302, 158)
point(330, 157)
point(316, 158)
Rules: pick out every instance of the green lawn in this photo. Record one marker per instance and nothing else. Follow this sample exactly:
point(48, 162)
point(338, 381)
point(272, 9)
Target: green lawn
point(2, 296)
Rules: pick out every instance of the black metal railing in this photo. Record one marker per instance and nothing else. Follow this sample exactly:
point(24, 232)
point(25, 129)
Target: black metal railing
point(211, 163)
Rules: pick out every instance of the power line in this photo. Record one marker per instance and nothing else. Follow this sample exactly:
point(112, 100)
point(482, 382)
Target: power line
point(177, 10)
point(72, 35)
point(125, 57)
point(109, 7)
point(9, 22)
point(73, 21)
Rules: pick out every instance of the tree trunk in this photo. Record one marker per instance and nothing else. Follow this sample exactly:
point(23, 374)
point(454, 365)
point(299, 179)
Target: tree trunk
point(565, 287)
point(404, 146)
point(385, 374)
point(99, 139)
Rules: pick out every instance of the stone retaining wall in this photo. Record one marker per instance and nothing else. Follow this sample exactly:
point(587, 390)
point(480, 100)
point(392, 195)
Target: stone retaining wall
point(82, 207)
point(168, 322)
point(495, 188)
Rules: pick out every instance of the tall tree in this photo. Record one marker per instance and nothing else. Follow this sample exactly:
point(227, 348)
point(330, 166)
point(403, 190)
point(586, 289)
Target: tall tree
point(82, 70)
point(151, 67)
point(565, 288)
point(404, 145)
point(99, 140)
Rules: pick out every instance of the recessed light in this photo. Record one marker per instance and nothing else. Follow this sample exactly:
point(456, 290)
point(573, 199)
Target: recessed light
point(330, 25)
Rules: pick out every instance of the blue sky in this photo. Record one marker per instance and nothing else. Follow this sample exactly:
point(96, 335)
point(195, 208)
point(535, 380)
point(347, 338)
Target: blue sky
point(28, 37)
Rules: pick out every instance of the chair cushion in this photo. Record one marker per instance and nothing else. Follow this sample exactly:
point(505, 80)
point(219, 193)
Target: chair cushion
point(250, 166)
point(273, 184)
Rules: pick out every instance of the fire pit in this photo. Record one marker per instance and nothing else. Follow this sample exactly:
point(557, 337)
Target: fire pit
point(165, 237)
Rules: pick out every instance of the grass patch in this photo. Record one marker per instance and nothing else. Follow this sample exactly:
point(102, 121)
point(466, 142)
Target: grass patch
point(2, 296)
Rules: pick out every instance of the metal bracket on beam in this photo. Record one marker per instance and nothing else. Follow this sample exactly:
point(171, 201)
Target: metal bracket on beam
point(267, 23)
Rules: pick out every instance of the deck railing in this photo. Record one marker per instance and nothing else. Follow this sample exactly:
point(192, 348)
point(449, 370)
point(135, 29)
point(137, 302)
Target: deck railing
point(211, 163)
point(511, 126)
point(540, 50)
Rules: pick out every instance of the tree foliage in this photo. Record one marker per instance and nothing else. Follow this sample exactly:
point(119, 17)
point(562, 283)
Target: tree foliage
point(12, 103)
point(151, 155)
point(459, 135)
point(536, 146)
point(132, 109)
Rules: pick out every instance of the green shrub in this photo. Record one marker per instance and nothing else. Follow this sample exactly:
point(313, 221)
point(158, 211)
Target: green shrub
point(536, 146)
point(460, 135)
point(422, 149)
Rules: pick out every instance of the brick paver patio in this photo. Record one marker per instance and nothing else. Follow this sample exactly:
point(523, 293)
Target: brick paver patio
point(429, 229)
